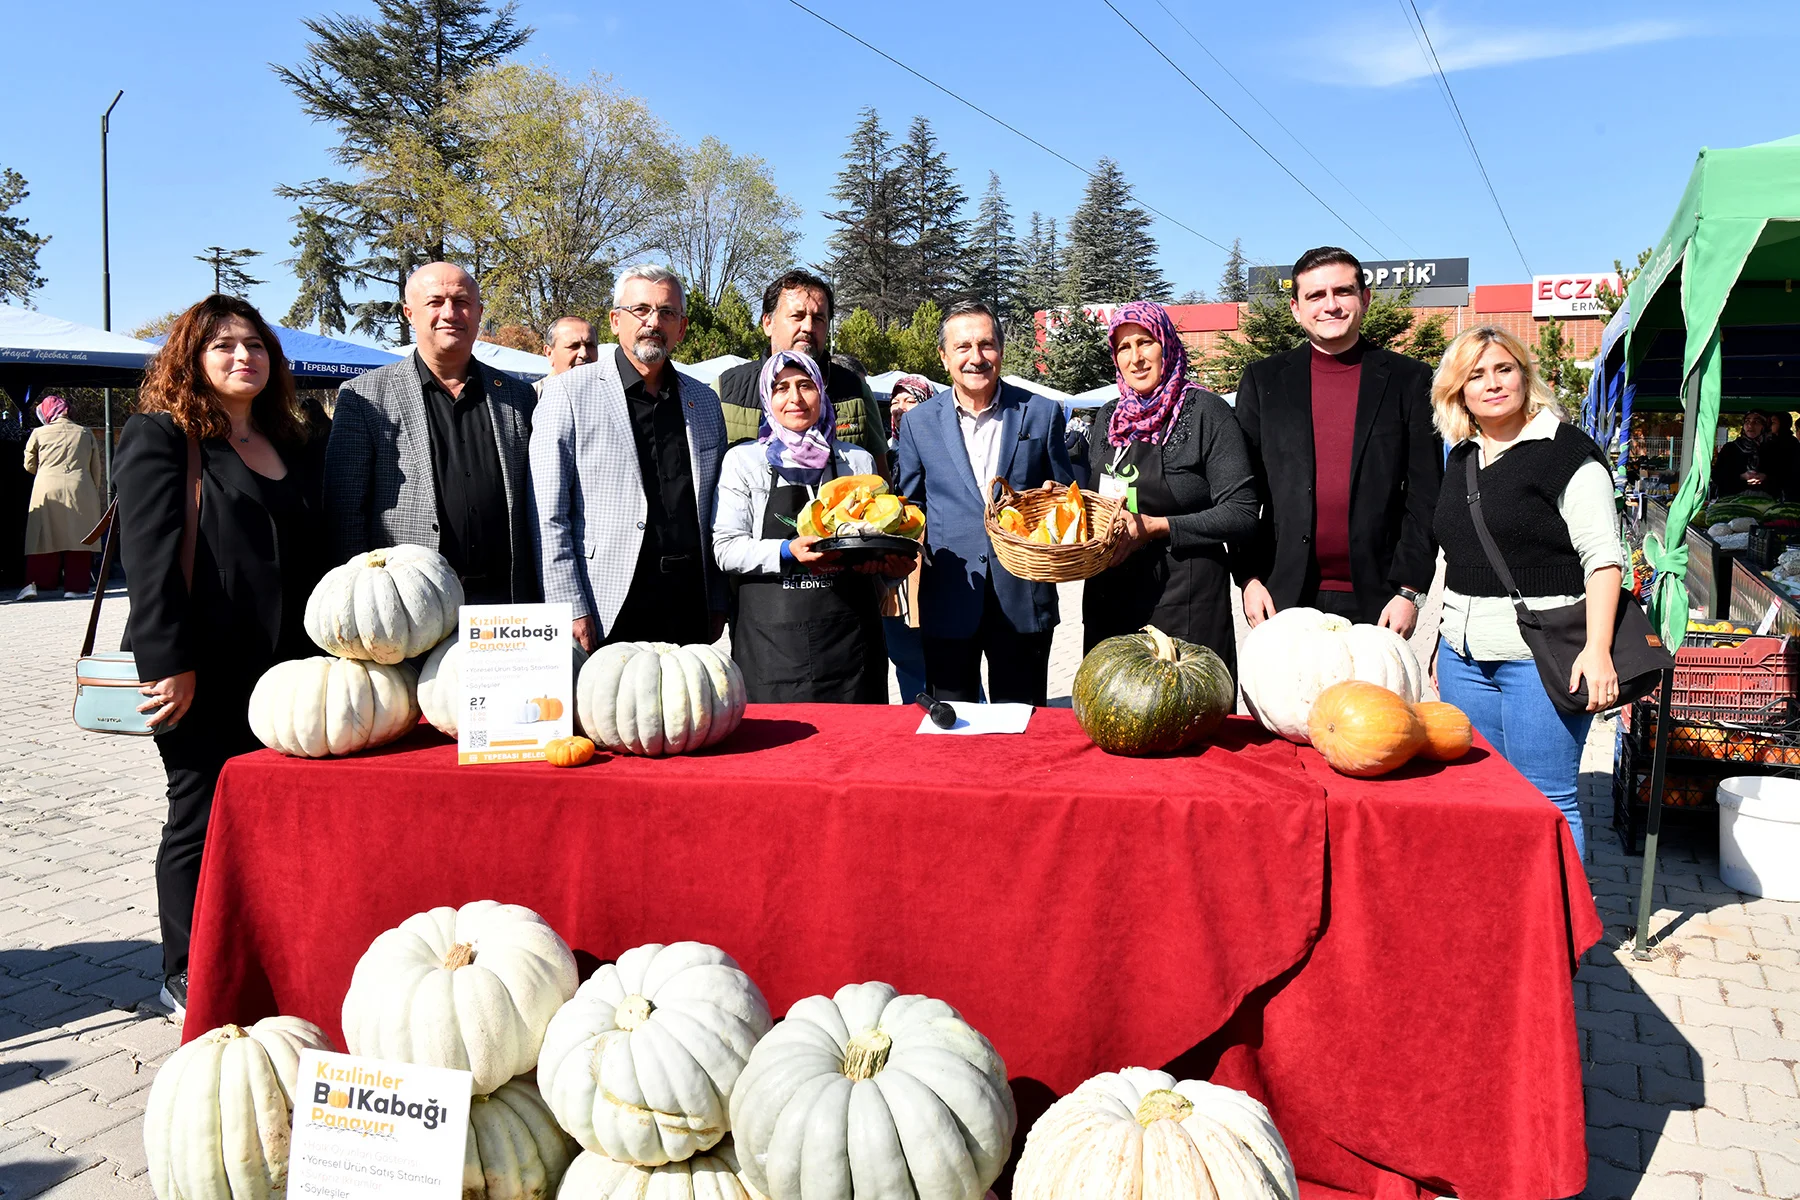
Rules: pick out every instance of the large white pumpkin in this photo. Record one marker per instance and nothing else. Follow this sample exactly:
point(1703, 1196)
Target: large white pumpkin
point(385, 605)
point(655, 698)
point(870, 1093)
point(1140, 1135)
point(220, 1114)
point(709, 1176)
point(639, 1066)
point(471, 988)
point(440, 683)
point(1290, 658)
point(319, 707)
point(515, 1150)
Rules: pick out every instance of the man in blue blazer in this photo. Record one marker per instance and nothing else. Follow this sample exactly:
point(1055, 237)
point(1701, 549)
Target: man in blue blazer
point(951, 447)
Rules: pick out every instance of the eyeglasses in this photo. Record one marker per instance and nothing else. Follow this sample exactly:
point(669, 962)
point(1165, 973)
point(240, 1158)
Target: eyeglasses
point(645, 312)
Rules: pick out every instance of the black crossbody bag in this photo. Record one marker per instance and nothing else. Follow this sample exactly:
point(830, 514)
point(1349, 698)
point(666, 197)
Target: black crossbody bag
point(1558, 635)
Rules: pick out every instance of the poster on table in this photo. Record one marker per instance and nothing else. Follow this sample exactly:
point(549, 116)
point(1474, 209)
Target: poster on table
point(377, 1130)
point(518, 681)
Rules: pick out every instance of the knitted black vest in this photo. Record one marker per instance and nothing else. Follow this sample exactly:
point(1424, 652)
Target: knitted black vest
point(1518, 498)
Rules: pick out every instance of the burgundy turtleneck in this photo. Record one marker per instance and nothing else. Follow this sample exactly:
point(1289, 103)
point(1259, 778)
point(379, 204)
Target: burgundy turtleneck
point(1335, 380)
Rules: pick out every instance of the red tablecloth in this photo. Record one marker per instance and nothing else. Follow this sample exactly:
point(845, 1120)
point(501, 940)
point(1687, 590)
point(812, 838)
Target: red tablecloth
point(1398, 990)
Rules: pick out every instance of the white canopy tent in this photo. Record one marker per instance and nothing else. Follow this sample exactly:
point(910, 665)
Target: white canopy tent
point(517, 363)
point(39, 349)
point(708, 370)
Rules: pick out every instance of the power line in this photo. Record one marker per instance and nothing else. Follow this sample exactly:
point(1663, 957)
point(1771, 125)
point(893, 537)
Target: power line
point(1294, 137)
point(1014, 130)
point(1159, 52)
point(1468, 138)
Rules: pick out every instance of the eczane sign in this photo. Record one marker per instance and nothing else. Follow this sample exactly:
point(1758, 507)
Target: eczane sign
point(1571, 295)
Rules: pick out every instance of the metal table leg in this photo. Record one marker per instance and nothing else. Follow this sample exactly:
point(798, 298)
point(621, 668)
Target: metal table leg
point(1653, 824)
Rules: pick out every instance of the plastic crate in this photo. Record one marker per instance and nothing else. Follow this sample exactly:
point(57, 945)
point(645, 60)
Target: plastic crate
point(1734, 682)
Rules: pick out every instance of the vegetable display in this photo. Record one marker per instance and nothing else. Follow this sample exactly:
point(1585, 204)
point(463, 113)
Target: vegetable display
point(1289, 659)
point(1149, 693)
point(915, 1100)
point(568, 751)
point(515, 1151)
point(640, 1064)
point(323, 707)
point(386, 605)
point(654, 698)
point(860, 504)
point(709, 1176)
point(1065, 524)
point(1365, 730)
point(404, 1003)
point(1139, 1134)
point(1448, 734)
point(220, 1113)
point(440, 682)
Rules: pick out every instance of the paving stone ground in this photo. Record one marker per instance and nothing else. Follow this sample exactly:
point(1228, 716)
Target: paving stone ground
point(1688, 1059)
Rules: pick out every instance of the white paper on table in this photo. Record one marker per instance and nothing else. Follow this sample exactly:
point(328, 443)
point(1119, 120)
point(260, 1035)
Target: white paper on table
point(984, 718)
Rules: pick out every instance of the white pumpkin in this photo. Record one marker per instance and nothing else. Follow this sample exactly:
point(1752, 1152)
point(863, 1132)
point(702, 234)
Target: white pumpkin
point(655, 698)
point(1140, 1135)
point(440, 683)
point(220, 1114)
point(471, 988)
point(385, 605)
point(870, 1093)
point(319, 707)
point(639, 1066)
point(1284, 663)
point(515, 1150)
point(709, 1176)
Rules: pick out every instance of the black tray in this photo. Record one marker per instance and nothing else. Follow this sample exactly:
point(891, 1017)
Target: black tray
point(854, 548)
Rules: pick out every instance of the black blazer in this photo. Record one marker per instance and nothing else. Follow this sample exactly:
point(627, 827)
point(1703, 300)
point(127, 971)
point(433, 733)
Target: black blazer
point(1396, 465)
point(234, 620)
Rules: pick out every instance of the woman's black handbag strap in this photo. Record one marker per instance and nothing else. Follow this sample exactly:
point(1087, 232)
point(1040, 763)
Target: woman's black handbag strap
point(1526, 616)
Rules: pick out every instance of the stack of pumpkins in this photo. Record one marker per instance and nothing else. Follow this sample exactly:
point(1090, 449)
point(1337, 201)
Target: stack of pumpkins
point(369, 616)
point(1354, 692)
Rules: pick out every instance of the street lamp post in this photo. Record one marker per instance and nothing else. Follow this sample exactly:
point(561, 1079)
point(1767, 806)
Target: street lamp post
point(106, 282)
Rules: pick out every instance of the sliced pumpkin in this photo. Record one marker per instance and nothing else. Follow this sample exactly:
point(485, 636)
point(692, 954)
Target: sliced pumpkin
point(814, 520)
point(912, 522)
point(1013, 522)
point(834, 492)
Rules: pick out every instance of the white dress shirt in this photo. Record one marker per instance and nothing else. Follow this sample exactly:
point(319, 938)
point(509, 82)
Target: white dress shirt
point(981, 438)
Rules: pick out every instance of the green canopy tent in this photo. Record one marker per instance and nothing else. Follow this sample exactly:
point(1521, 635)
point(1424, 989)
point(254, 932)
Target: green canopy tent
point(1716, 306)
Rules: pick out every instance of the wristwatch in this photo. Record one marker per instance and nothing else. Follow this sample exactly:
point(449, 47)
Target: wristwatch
point(1417, 598)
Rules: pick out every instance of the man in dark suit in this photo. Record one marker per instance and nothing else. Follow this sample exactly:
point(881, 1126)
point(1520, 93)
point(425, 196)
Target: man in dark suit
point(950, 447)
point(1346, 461)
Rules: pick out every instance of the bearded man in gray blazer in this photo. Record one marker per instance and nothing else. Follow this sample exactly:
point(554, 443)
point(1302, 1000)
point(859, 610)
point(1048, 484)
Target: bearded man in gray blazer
point(625, 455)
point(432, 450)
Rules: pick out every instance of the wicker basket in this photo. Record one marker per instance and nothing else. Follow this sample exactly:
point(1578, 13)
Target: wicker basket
point(1052, 564)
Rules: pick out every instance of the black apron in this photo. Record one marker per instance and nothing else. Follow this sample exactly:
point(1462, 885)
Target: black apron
point(1187, 596)
point(801, 638)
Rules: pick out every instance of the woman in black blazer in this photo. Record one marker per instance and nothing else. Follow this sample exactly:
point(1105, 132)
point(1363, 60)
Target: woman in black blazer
point(221, 382)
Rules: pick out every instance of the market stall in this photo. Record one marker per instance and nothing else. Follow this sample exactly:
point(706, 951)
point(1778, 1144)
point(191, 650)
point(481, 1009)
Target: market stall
point(1240, 911)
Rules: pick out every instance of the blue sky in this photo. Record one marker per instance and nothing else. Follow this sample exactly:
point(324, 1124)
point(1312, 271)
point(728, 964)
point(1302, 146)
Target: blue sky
point(1588, 118)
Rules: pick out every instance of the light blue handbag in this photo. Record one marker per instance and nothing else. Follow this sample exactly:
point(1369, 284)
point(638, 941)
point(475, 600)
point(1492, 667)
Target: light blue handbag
point(106, 684)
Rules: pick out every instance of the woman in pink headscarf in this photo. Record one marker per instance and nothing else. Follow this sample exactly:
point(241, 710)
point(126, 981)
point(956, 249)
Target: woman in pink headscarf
point(66, 503)
point(1173, 451)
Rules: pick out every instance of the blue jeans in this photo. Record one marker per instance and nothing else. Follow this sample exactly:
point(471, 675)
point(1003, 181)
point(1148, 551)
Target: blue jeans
point(1506, 701)
point(907, 653)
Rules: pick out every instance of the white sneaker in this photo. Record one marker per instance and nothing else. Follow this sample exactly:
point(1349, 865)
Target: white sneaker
point(28, 592)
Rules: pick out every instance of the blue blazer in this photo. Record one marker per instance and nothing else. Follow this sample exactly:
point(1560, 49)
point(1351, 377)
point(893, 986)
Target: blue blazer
point(935, 474)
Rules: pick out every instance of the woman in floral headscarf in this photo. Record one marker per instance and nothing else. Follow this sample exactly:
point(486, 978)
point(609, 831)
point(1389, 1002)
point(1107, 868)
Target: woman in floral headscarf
point(66, 502)
point(1173, 450)
point(802, 630)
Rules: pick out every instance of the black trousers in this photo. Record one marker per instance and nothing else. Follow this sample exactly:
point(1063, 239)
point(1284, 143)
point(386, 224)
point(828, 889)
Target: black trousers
point(1340, 604)
point(1018, 663)
point(193, 754)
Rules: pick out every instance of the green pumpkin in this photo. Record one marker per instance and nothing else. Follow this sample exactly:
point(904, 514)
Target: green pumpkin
point(1149, 693)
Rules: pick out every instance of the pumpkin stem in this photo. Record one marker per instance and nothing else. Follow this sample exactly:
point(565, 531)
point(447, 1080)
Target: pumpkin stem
point(866, 1054)
point(460, 955)
point(1163, 1105)
point(633, 1011)
point(375, 558)
point(228, 1032)
point(1160, 643)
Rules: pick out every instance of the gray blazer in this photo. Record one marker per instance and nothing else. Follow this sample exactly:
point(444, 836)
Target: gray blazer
point(379, 487)
point(589, 492)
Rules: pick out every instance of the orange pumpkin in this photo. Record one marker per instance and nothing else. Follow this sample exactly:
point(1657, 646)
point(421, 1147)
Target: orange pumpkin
point(1363, 729)
point(1448, 734)
point(568, 751)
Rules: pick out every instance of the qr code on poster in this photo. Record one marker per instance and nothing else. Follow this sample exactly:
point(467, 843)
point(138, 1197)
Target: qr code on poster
point(478, 739)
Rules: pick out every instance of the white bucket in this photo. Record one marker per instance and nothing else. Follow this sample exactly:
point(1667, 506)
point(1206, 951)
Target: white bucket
point(1759, 835)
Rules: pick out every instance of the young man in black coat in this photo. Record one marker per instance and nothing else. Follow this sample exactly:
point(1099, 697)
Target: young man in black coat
point(1346, 462)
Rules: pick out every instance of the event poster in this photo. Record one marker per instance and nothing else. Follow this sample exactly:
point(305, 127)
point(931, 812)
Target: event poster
point(518, 681)
point(367, 1129)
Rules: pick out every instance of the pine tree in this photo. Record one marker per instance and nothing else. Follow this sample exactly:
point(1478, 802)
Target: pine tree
point(1111, 256)
point(1234, 280)
point(994, 257)
point(868, 256)
point(19, 247)
point(229, 276)
point(1076, 355)
point(931, 223)
point(1555, 355)
point(1040, 271)
point(321, 269)
point(860, 336)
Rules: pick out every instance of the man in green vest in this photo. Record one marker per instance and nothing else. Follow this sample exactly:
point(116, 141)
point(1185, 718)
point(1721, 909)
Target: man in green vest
point(796, 314)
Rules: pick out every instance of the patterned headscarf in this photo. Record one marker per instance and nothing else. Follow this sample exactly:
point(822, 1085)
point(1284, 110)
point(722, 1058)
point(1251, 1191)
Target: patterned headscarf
point(51, 408)
point(1148, 418)
point(918, 387)
point(809, 450)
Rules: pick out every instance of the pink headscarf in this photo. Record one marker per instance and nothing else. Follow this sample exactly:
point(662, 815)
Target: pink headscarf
point(1148, 418)
point(51, 408)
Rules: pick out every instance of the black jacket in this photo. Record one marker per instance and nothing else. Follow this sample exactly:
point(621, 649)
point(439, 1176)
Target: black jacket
point(235, 622)
point(1396, 465)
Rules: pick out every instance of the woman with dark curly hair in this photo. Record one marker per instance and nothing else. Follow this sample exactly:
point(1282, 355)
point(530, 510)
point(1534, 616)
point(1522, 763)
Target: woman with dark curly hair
point(217, 426)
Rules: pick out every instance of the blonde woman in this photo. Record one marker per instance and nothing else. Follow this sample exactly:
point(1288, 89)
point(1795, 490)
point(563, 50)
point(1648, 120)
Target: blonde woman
point(1547, 497)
